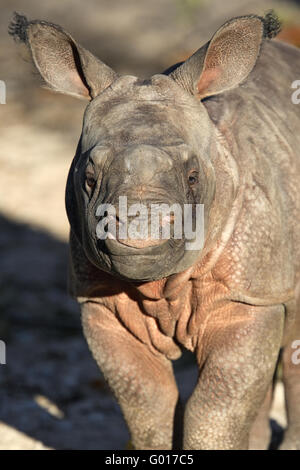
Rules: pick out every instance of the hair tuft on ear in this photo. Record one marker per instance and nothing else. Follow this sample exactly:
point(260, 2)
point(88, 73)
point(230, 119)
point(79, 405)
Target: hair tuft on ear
point(18, 27)
point(272, 25)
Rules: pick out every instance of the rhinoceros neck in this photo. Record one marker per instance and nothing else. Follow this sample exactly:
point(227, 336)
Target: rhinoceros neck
point(225, 207)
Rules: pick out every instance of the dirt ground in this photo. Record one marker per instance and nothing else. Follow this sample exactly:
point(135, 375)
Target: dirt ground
point(52, 395)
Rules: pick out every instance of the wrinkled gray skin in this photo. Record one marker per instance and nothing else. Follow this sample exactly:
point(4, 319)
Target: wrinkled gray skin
point(226, 116)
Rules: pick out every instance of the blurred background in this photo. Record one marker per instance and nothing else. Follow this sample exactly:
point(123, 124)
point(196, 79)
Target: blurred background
point(52, 395)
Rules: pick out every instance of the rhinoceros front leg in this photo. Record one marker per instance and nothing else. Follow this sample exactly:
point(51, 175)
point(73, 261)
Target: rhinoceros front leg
point(242, 346)
point(142, 382)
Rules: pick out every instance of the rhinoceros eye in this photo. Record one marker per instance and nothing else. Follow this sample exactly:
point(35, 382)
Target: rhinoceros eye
point(90, 180)
point(193, 178)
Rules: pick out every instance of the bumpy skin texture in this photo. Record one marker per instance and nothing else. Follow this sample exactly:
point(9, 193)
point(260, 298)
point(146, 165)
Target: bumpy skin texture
point(236, 302)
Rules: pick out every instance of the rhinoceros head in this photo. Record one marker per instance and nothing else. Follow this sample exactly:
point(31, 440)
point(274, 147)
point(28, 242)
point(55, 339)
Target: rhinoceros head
point(143, 165)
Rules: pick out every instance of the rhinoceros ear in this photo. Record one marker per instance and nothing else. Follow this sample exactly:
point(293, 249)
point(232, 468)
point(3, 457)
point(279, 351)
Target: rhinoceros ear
point(228, 58)
point(64, 65)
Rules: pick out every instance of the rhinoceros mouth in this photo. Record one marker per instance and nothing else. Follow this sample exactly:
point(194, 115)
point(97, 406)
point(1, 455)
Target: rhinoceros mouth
point(133, 247)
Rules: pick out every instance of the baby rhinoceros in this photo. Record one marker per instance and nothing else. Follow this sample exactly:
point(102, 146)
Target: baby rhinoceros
point(221, 132)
